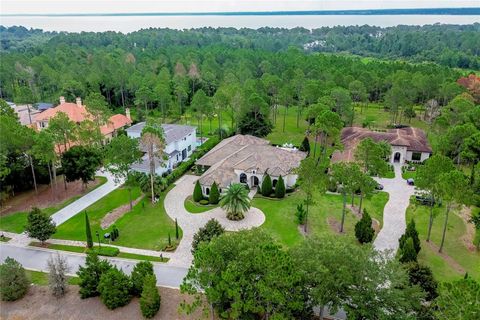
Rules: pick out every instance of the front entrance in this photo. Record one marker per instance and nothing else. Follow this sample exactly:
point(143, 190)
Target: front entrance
point(396, 157)
point(254, 181)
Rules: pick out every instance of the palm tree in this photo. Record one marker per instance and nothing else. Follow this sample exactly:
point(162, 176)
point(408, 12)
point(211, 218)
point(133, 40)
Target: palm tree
point(236, 201)
point(154, 143)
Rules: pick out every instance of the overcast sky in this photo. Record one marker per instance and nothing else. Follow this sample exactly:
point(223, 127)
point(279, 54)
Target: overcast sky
point(135, 6)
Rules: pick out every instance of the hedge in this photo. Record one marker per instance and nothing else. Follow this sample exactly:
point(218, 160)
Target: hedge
point(105, 251)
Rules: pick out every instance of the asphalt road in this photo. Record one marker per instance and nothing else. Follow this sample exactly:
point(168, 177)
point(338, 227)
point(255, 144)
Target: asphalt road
point(36, 259)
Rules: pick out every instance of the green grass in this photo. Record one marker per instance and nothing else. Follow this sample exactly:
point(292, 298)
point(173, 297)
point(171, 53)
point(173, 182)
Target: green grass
point(74, 228)
point(292, 133)
point(141, 257)
point(280, 215)
point(409, 174)
point(15, 222)
point(454, 246)
point(60, 247)
point(41, 278)
point(193, 207)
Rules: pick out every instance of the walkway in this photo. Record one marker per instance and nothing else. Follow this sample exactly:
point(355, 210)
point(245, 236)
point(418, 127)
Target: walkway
point(190, 223)
point(81, 204)
point(394, 212)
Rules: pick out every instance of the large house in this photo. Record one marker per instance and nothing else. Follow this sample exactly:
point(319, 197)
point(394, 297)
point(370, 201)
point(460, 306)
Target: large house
point(408, 144)
point(77, 113)
point(248, 159)
point(180, 142)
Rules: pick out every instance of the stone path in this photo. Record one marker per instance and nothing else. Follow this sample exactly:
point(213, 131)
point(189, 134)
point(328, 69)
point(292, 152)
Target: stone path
point(190, 223)
point(81, 204)
point(394, 212)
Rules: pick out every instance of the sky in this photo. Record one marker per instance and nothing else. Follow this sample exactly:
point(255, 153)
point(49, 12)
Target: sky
point(137, 6)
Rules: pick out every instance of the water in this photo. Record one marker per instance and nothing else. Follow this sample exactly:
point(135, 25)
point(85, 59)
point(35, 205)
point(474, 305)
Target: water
point(127, 24)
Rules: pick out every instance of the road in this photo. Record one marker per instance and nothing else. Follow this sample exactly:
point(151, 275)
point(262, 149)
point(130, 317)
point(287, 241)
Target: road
point(36, 259)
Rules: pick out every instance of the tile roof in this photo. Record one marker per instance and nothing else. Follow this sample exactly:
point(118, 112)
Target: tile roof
point(172, 132)
point(115, 122)
point(73, 111)
point(247, 153)
point(412, 138)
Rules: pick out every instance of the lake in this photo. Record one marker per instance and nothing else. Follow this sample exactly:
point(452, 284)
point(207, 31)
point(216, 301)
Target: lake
point(127, 24)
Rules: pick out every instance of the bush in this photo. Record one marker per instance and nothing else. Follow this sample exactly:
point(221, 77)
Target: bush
point(39, 225)
point(140, 271)
point(105, 251)
point(114, 288)
point(423, 277)
point(332, 185)
point(266, 186)
point(197, 192)
point(363, 229)
point(301, 214)
point(150, 299)
point(13, 280)
point(280, 188)
point(305, 146)
point(211, 229)
point(214, 197)
point(90, 274)
point(411, 232)
point(203, 202)
point(407, 252)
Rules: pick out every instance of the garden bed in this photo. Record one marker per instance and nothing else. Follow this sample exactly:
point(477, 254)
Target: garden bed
point(194, 207)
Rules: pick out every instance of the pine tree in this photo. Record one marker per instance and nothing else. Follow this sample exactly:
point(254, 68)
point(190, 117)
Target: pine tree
point(169, 240)
point(410, 232)
point(177, 235)
point(39, 225)
point(197, 192)
point(305, 147)
point(267, 186)
point(13, 280)
point(88, 231)
point(90, 274)
point(214, 194)
point(114, 288)
point(363, 229)
point(280, 188)
point(407, 252)
point(139, 273)
point(150, 299)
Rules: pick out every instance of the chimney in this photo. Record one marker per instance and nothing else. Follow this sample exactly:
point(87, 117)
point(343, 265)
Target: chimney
point(62, 100)
point(79, 101)
point(127, 113)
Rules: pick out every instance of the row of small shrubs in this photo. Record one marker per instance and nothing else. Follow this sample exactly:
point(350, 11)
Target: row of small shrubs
point(213, 198)
point(267, 190)
point(115, 288)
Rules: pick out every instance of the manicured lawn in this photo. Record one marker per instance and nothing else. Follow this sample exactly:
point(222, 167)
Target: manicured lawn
point(409, 174)
point(280, 215)
point(141, 257)
point(454, 245)
point(41, 278)
point(292, 134)
point(193, 207)
point(74, 228)
point(15, 222)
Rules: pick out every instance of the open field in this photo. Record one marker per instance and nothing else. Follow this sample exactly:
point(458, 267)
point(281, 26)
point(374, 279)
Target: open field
point(457, 258)
point(281, 221)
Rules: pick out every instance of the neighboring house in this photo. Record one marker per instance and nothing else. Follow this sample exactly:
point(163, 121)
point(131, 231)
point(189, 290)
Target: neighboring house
point(247, 159)
point(180, 142)
point(77, 113)
point(408, 144)
point(42, 106)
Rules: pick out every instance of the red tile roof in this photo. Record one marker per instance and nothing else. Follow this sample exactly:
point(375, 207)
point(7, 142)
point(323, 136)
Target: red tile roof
point(115, 122)
point(74, 112)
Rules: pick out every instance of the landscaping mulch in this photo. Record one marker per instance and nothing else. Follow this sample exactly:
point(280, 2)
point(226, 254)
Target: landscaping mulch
point(110, 218)
point(469, 236)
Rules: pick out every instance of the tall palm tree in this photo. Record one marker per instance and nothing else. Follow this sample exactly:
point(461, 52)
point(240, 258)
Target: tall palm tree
point(236, 201)
point(154, 143)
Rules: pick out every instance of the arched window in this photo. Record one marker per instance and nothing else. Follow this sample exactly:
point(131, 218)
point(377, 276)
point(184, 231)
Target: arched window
point(207, 191)
point(274, 182)
point(243, 178)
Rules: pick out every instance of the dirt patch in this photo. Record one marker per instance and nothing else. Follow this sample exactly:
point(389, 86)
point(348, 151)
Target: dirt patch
point(376, 225)
point(334, 224)
point(355, 211)
point(39, 304)
point(449, 260)
point(116, 213)
point(469, 236)
point(46, 197)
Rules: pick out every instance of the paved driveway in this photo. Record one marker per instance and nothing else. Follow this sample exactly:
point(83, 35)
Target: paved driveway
point(84, 202)
point(190, 223)
point(394, 212)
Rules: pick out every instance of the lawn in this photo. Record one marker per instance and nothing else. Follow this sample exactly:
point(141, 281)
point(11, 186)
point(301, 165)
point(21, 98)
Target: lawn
point(292, 133)
point(409, 174)
point(280, 215)
point(15, 222)
point(41, 278)
point(193, 207)
point(454, 246)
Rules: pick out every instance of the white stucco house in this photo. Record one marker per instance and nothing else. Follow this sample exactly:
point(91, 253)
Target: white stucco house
point(180, 141)
point(408, 144)
point(248, 159)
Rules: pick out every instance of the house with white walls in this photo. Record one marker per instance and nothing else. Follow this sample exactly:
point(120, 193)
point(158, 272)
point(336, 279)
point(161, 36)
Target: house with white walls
point(180, 141)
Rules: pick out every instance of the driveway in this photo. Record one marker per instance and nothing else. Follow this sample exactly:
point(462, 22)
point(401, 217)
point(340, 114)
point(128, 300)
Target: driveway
point(190, 222)
point(394, 212)
point(84, 202)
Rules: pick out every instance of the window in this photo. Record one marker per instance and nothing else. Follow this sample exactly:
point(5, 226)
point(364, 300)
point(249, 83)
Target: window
point(274, 182)
point(243, 178)
point(416, 156)
point(207, 191)
point(189, 148)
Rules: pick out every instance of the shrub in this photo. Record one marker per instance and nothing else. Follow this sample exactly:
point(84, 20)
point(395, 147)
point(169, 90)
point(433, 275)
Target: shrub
point(57, 275)
point(305, 146)
point(266, 186)
point(214, 197)
point(423, 277)
point(150, 299)
point(301, 214)
point(203, 202)
point(407, 252)
point(13, 280)
point(331, 185)
point(280, 188)
point(411, 232)
point(105, 251)
point(114, 288)
point(363, 229)
point(90, 274)
point(39, 225)
point(140, 271)
point(88, 231)
point(197, 192)
point(211, 229)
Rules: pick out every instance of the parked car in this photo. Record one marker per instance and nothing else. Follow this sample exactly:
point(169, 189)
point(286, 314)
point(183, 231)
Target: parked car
point(410, 182)
point(426, 200)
